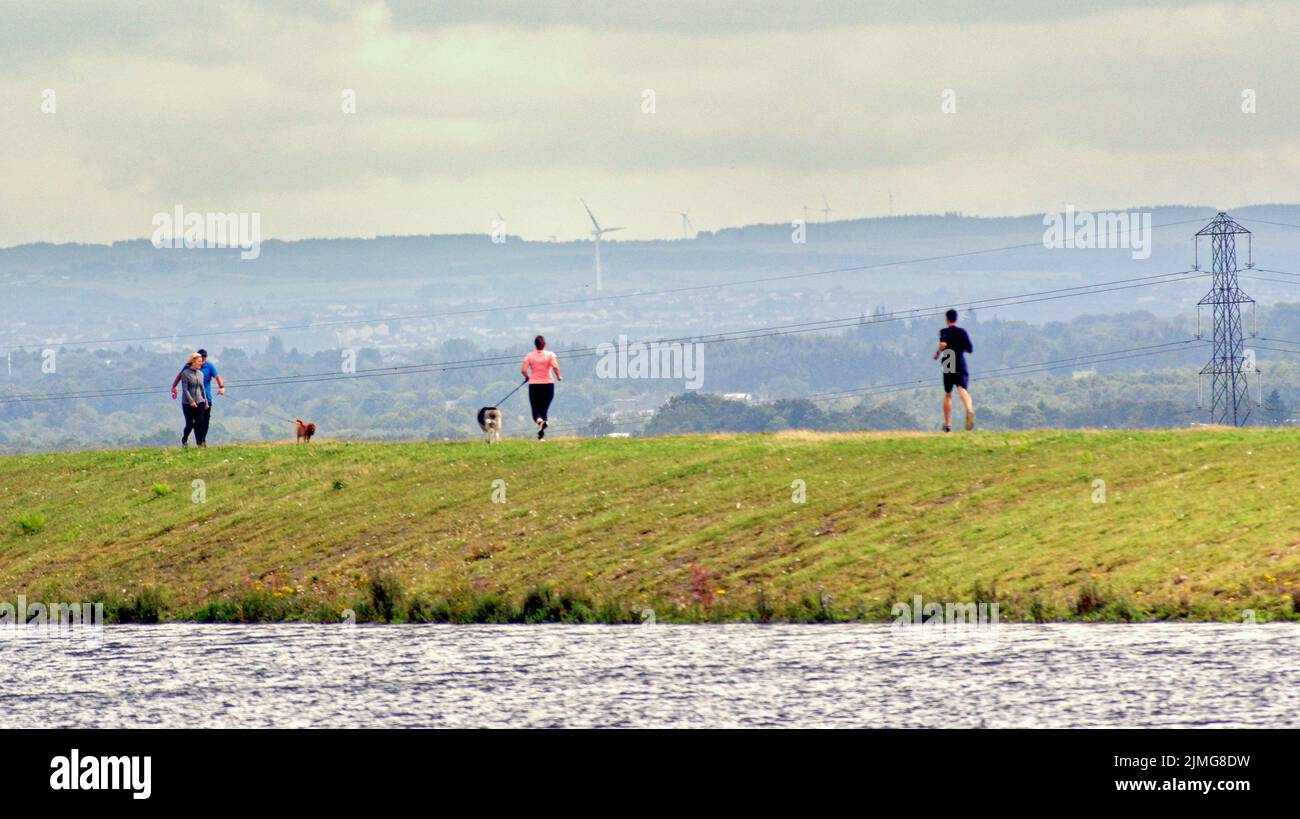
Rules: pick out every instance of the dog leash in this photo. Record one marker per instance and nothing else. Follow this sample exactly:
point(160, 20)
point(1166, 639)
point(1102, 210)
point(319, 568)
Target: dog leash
point(512, 392)
point(262, 412)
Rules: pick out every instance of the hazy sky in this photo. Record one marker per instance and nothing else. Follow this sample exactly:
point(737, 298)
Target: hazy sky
point(464, 109)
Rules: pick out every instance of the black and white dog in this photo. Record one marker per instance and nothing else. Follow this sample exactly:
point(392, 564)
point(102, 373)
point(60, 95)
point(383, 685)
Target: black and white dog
point(489, 418)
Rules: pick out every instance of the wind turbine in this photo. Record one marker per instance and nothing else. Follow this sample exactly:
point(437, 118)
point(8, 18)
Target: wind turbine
point(826, 208)
point(597, 232)
point(805, 214)
point(687, 227)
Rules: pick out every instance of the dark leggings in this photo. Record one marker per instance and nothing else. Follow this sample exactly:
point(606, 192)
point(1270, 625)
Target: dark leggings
point(540, 396)
point(201, 426)
point(193, 421)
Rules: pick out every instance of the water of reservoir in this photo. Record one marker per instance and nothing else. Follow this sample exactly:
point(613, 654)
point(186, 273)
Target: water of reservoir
point(187, 675)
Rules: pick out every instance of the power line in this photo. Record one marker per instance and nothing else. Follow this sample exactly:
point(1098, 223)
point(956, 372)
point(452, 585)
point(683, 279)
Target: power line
point(1267, 222)
point(1001, 372)
point(717, 338)
point(1019, 369)
point(558, 303)
point(1275, 349)
point(1248, 274)
point(1266, 279)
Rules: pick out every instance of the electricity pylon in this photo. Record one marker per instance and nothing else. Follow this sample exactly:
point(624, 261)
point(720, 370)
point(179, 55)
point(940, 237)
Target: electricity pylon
point(1228, 365)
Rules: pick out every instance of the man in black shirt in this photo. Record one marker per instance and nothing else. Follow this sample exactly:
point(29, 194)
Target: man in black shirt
point(954, 344)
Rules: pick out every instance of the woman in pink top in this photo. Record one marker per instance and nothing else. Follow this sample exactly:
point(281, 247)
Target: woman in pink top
point(537, 369)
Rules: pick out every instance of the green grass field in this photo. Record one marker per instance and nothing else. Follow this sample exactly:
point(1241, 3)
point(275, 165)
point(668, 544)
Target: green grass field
point(1196, 524)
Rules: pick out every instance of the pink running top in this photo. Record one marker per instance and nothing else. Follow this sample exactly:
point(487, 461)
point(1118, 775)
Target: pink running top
point(539, 364)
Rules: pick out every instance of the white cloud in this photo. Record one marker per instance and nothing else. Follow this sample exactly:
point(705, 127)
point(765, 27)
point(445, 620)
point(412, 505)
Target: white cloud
point(504, 106)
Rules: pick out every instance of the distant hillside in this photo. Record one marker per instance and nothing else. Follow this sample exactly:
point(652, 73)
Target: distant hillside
point(67, 292)
point(1194, 524)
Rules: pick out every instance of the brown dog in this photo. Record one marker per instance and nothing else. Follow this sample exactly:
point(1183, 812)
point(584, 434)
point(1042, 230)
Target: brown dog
point(305, 431)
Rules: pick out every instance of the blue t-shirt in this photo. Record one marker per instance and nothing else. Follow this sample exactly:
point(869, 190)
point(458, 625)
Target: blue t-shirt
point(208, 372)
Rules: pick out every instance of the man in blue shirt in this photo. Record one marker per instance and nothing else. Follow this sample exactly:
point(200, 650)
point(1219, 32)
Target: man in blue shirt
point(205, 415)
point(954, 344)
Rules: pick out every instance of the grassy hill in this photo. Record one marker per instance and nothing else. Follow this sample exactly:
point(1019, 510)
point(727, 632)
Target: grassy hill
point(1195, 524)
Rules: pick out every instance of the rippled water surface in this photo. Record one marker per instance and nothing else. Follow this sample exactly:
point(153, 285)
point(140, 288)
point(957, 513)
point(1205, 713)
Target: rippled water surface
point(673, 676)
